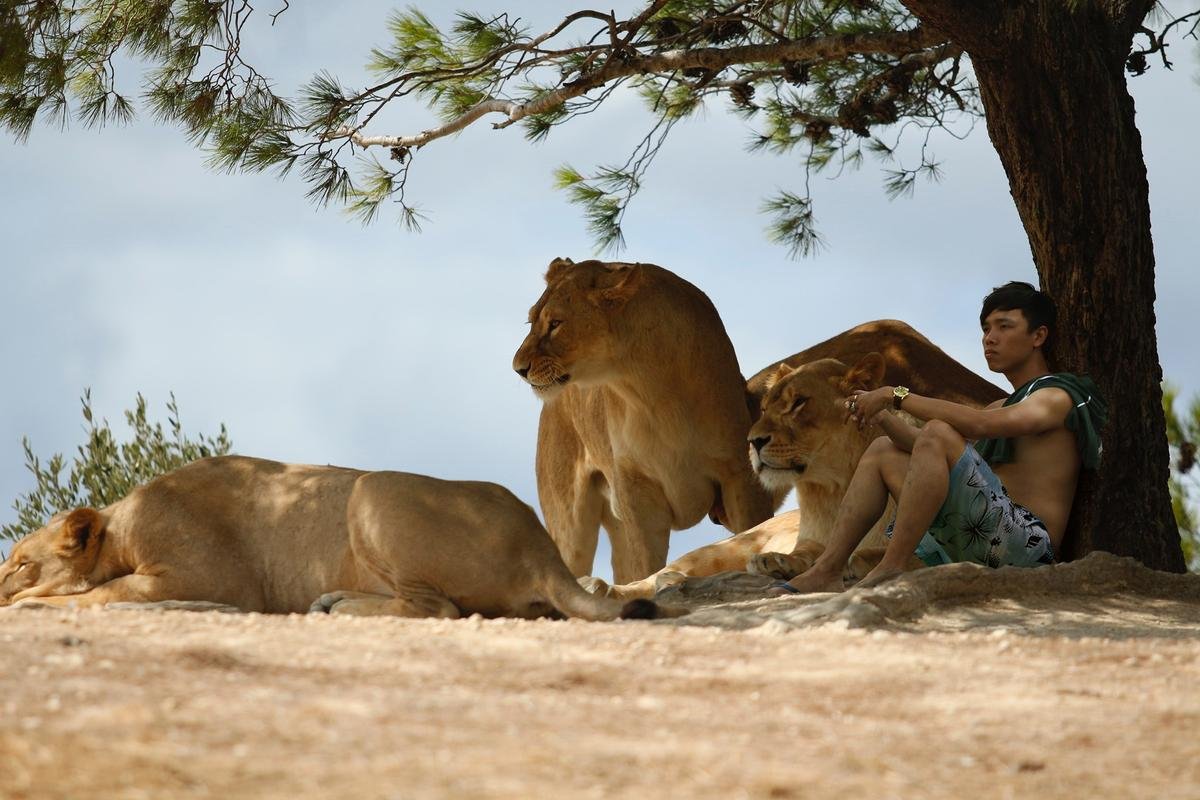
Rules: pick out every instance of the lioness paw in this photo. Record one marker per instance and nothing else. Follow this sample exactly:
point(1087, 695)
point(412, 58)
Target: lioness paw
point(325, 603)
point(666, 579)
point(596, 586)
point(30, 602)
point(783, 566)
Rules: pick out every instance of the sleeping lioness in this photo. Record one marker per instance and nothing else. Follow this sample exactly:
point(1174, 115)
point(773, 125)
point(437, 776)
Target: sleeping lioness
point(265, 536)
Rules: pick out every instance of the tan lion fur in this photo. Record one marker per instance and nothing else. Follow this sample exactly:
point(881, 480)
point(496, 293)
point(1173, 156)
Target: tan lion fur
point(809, 444)
point(265, 536)
point(769, 548)
point(909, 358)
point(817, 450)
point(643, 427)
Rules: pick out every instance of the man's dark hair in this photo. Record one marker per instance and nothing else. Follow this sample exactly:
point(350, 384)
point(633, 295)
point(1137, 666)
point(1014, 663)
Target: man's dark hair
point(1037, 307)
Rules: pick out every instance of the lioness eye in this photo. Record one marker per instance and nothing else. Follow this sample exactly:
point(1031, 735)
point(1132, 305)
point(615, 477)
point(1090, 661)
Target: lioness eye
point(797, 404)
point(22, 565)
point(554, 323)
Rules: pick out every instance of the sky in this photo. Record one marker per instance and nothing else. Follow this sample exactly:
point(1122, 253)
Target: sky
point(130, 267)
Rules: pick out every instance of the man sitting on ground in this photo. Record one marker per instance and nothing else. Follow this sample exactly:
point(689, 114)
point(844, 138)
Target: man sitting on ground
point(1004, 501)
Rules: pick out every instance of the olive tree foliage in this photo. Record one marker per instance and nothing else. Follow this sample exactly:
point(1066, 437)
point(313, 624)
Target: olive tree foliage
point(1183, 434)
point(828, 81)
point(104, 470)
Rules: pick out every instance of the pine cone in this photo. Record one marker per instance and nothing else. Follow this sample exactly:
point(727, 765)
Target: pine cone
point(817, 131)
point(742, 94)
point(795, 72)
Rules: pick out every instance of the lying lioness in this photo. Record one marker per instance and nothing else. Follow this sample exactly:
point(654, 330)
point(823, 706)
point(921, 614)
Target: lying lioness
point(771, 548)
point(265, 536)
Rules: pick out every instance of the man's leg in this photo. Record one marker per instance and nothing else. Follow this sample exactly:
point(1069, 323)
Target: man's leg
point(880, 471)
point(935, 452)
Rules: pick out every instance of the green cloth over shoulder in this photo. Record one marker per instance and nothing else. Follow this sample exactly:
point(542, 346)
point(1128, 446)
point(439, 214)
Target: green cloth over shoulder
point(1085, 419)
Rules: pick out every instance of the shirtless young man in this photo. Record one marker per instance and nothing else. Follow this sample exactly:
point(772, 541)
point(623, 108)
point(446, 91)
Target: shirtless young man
point(1006, 506)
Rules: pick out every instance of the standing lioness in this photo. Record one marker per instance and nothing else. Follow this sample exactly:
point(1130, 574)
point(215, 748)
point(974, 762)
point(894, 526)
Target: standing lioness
point(644, 425)
point(265, 536)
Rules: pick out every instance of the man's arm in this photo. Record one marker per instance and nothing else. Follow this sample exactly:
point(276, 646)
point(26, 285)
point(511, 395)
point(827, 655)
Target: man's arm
point(1044, 410)
point(900, 432)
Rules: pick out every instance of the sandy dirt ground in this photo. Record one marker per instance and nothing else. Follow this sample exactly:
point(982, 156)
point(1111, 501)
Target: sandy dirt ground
point(968, 686)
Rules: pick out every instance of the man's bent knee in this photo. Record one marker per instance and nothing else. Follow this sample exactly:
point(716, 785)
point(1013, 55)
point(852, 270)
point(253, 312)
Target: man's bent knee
point(943, 437)
point(881, 447)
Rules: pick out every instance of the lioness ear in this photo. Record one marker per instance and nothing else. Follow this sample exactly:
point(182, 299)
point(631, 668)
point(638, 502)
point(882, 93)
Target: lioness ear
point(558, 267)
point(79, 531)
point(622, 282)
point(781, 372)
point(867, 374)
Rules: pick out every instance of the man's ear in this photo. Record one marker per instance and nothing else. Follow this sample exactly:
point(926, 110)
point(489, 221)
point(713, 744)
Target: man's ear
point(620, 283)
point(781, 372)
point(1040, 334)
point(866, 375)
point(79, 532)
point(557, 269)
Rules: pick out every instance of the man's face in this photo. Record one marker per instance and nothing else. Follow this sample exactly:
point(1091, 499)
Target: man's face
point(1007, 339)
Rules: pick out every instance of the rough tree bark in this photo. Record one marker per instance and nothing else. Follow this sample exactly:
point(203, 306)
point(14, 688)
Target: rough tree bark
point(1061, 118)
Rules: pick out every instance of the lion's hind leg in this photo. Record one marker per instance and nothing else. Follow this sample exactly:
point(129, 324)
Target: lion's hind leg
point(364, 604)
point(638, 590)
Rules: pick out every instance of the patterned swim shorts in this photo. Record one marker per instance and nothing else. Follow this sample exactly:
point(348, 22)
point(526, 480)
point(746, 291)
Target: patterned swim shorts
point(981, 524)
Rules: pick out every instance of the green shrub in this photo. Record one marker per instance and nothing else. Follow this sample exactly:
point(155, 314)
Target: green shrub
point(1183, 433)
point(105, 471)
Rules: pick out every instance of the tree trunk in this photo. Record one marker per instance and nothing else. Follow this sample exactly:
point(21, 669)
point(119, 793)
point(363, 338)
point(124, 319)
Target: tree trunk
point(1062, 121)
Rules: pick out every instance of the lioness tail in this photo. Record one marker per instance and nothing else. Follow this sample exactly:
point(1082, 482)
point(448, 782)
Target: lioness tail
point(571, 599)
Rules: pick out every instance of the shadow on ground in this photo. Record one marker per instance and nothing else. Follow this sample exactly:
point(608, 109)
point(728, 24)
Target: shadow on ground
point(1100, 595)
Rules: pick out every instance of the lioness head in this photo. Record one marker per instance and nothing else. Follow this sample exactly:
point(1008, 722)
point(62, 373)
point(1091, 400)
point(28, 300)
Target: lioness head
point(802, 433)
point(53, 560)
point(571, 325)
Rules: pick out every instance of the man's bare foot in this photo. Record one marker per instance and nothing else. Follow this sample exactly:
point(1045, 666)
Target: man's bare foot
point(809, 582)
point(879, 575)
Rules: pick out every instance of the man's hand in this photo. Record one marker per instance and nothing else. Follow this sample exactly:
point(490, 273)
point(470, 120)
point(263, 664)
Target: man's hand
point(865, 407)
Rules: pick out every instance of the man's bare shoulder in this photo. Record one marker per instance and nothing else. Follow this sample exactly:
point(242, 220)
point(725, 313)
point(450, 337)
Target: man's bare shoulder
point(1046, 410)
point(1039, 412)
point(1052, 397)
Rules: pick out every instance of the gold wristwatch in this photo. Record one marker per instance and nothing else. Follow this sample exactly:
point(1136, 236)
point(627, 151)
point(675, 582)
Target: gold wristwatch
point(898, 395)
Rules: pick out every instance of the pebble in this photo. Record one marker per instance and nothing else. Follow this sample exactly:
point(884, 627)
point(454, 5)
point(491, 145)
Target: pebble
point(772, 627)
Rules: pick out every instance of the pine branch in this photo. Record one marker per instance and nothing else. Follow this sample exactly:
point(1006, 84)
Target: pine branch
point(711, 59)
